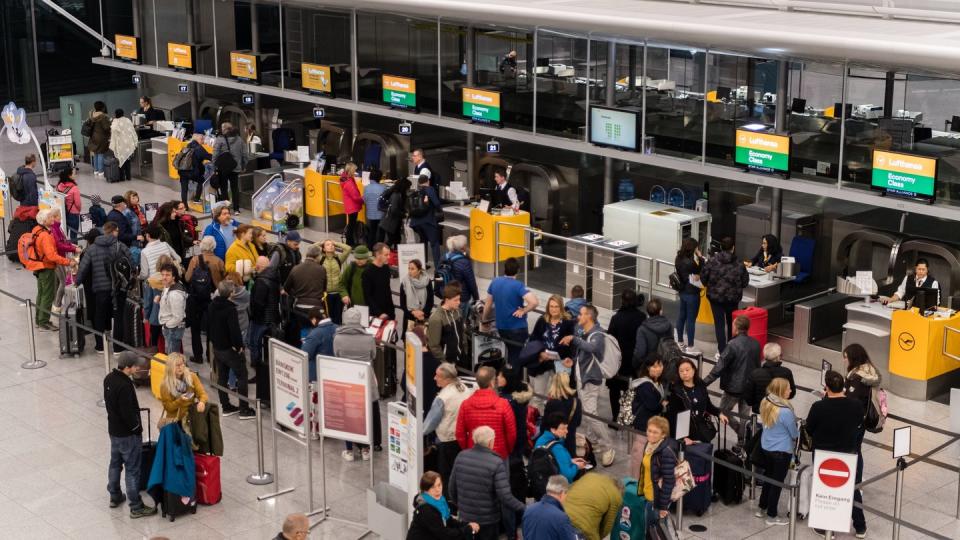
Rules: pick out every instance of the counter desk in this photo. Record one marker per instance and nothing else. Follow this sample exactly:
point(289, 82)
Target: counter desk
point(484, 233)
point(174, 145)
point(324, 198)
point(762, 291)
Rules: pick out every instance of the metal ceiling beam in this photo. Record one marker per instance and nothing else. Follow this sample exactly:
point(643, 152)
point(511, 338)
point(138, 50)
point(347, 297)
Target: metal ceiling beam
point(571, 145)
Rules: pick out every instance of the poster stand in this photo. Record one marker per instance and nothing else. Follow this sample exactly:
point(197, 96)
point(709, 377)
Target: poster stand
point(344, 391)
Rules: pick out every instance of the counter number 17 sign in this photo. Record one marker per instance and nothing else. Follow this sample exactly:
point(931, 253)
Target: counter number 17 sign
point(831, 497)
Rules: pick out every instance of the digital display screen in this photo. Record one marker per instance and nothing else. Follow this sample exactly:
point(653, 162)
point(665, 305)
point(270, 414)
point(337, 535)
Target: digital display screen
point(763, 151)
point(180, 56)
point(128, 47)
point(245, 66)
point(400, 92)
point(904, 175)
point(316, 78)
point(614, 127)
point(481, 106)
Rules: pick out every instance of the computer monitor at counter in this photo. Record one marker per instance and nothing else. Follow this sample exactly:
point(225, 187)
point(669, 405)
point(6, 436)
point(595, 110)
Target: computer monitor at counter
point(926, 298)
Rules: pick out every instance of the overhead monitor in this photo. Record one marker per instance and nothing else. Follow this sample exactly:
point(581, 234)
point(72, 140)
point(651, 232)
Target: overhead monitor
point(316, 79)
point(128, 48)
point(614, 127)
point(400, 92)
point(723, 92)
point(245, 66)
point(763, 151)
point(481, 106)
point(543, 62)
point(180, 56)
point(798, 105)
point(904, 175)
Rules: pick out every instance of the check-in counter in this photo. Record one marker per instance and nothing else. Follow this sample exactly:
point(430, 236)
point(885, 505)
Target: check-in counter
point(324, 199)
point(161, 168)
point(174, 145)
point(484, 236)
point(869, 325)
point(924, 354)
point(762, 291)
point(817, 331)
point(456, 221)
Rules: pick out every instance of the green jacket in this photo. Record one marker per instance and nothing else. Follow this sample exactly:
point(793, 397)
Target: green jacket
point(352, 283)
point(204, 428)
point(333, 265)
point(592, 504)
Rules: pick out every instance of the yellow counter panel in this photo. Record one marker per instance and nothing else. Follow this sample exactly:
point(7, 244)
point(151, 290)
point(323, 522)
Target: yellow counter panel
point(174, 145)
point(322, 193)
point(483, 235)
point(916, 345)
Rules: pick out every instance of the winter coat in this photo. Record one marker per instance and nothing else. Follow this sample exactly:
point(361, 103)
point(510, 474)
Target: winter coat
point(427, 524)
point(72, 202)
point(589, 349)
point(123, 409)
point(759, 378)
point(737, 361)
point(352, 341)
point(662, 463)
point(725, 277)
point(352, 200)
point(860, 383)
point(648, 400)
point(463, 273)
point(223, 326)
point(518, 402)
point(214, 265)
point(648, 338)
point(240, 250)
point(446, 338)
point(205, 429)
point(213, 230)
point(123, 139)
point(176, 408)
point(486, 408)
point(265, 298)
point(319, 341)
point(173, 306)
point(393, 217)
point(371, 196)
point(60, 240)
point(686, 267)
point(173, 467)
point(573, 306)
point(433, 206)
point(307, 283)
point(561, 455)
point(540, 333)
point(698, 403)
point(351, 283)
point(546, 520)
point(230, 141)
point(97, 260)
point(593, 505)
point(45, 248)
point(241, 299)
point(99, 141)
point(564, 406)
point(334, 264)
point(200, 155)
point(125, 235)
point(479, 484)
point(623, 327)
point(31, 194)
point(151, 253)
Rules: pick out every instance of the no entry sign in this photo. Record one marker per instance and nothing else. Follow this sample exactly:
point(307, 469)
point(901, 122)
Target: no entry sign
point(831, 495)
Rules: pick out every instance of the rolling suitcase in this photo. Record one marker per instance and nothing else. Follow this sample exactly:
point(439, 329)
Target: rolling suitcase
point(803, 475)
point(173, 506)
point(72, 338)
point(147, 453)
point(727, 483)
point(111, 168)
point(130, 325)
point(208, 478)
point(699, 498)
point(631, 520)
point(385, 370)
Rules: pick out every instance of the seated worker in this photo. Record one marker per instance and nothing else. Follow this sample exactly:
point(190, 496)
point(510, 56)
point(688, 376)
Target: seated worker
point(769, 255)
point(908, 287)
point(554, 428)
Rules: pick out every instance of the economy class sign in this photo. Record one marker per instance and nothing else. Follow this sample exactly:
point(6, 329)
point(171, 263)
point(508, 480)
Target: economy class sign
point(481, 105)
point(904, 173)
point(763, 150)
point(399, 91)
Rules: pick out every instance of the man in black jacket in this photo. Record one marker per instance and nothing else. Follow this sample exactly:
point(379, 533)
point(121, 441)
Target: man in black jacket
point(623, 327)
point(655, 328)
point(725, 277)
point(760, 377)
point(741, 357)
point(376, 284)
point(264, 315)
point(227, 342)
point(126, 434)
point(125, 234)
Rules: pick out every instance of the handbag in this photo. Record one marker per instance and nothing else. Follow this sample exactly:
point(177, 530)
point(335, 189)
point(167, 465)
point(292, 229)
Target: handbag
point(754, 450)
point(684, 481)
point(702, 428)
point(806, 440)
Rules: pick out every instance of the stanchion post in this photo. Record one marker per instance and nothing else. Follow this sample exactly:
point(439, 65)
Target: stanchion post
point(897, 498)
point(107, 348)
point(261, 478)
point(958, 499)
point(753, 479)
point(794, 508)
point(680, 501)
point(33, 363)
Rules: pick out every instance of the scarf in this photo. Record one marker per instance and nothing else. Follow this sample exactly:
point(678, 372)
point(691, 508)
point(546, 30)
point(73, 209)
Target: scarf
point(416, 291)
point(779, 402)
point(652, 447)
point(440, 504)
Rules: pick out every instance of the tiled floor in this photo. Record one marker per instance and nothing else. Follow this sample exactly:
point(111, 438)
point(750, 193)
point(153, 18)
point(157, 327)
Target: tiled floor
point(54, 446)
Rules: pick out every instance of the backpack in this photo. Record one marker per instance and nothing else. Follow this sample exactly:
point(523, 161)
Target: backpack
point(383, 201)
point(610, 363)
point(540, 468)
point(17, 191)
point(87, 128)
point(225, 162)
point(97, 215)
point(415, 206)
point(444, 274)
point(876, 410)
point(200, 286)
point(121, 272)
point(27, 251)
point(183, 161)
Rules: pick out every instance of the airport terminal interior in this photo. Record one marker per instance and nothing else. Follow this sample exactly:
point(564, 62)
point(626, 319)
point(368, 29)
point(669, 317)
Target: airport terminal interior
point(580, 144)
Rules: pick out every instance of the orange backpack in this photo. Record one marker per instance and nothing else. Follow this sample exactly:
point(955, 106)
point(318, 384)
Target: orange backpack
point(30, 258)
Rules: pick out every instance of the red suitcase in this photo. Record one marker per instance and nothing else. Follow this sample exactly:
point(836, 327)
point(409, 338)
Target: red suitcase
point(208, 478)
point(758, 324)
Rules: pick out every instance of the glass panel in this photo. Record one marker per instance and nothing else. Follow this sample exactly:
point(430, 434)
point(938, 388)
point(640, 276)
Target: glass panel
point(401, 46)
point(18, 82)
point(868, 127)
point(561, 71)
point(503, 62)
point(675, 100)
point(740, 91)
point(453, 68)
point(931, 102)
point(812, 94)
point(321, 37)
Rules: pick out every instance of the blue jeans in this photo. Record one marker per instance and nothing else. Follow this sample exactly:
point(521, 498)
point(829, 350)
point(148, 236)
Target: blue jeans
point(173, 339)
point(125, 452)
point(255, 342)
point(97, 162)
point(73, 226)
point(519, 336)
point(689, 306)
point(429, 234)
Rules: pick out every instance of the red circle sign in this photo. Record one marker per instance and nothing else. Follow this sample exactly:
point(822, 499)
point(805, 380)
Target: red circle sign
point(834, 473)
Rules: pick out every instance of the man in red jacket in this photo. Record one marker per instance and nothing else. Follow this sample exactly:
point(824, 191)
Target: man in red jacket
point(486, 408)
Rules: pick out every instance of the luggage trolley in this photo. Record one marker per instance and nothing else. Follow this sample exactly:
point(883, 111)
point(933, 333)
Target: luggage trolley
point(60, 152)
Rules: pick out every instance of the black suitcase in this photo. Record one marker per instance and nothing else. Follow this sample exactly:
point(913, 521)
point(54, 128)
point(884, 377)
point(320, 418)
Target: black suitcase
point(147, 452)
point(72, 338)
point(385, 369)
point(173, 506)
point(129, 327)
point(16, 229)
point(111, 168)
point(727, 483)
point(699, 499)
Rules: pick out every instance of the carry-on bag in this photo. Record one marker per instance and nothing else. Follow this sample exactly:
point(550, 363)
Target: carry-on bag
point(699, 498)
point(727, 483)
point(72, 338)
point(147, 453)
point(173, 506)
point(631, 520)
point(208, 478)
point(385, 370)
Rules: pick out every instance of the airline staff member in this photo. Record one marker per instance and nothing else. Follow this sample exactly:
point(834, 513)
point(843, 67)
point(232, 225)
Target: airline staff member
point(422, 168)
point(908, 287)
point(504, 194)
point(769, 255)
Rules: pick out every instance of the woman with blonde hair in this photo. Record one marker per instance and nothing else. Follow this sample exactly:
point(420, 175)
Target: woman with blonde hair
point(547, 350)
point(562, 398)
point(180, 389)
point(778, 440)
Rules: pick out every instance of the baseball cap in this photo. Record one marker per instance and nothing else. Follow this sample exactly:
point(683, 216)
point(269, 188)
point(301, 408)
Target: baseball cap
point(293, 236)
point(117, 199)
point(128, 359)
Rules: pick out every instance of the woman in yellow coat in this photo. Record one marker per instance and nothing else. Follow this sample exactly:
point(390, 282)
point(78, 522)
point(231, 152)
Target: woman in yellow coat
point(242, 254)
point(181, 388)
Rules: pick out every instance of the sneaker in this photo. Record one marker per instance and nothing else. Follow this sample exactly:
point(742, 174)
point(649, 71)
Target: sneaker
point(143, 511)
point(117, 502)
point(378, 448)
point(760, 513)
point(776, 521)
point(690, 350)
point(861, 534)
point(365, 454)
point(49, 327)
point(606, 459)
point(247, 414)
point(228, 410)
point(347, 455)
point(236, 212)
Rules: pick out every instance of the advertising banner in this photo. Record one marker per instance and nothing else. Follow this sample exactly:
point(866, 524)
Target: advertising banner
point(345, 399)
point(407, 253)
point(398, 450)
point(59, 148)
point(316, 78)
point(128, 47)
point(481, 105)
point(400, 92)
point(904, 174)
point(831, 494)
point(763, 150)
point(288, 369)
point(244, 66)
point(180, 56)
